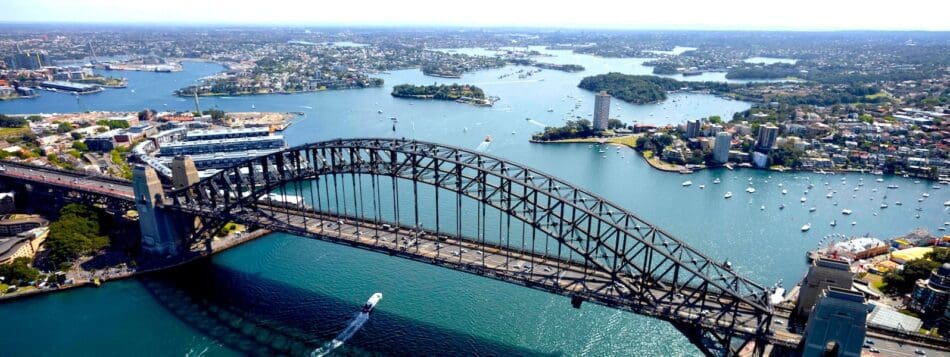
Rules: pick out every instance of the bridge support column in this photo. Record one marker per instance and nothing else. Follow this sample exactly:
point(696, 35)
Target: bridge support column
point(163, 232)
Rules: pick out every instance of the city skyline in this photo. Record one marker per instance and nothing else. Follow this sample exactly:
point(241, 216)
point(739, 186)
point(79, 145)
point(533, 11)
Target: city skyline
point(807, 15)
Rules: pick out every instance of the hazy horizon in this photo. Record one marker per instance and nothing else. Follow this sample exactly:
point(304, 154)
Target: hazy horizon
point(733, 15)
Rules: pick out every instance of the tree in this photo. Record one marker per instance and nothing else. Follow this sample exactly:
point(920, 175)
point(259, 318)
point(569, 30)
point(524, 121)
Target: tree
point(81, 146)
point(901, 282)
point(11, 122)
point(19, 271)
point(715, 119)
point(79, 230)
point(940, 255)
point(615, 124)
point(63, 128)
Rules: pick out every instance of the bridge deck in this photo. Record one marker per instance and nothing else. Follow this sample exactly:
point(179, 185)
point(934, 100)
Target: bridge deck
point(552, 275)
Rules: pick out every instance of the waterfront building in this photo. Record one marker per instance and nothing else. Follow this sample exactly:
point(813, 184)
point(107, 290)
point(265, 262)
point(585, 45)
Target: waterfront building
point(222, 145)
point(24, 244)
point(824, 273)
point(13, 224)
point(601, 110)
point(837, 325)
point(930, 296)
point(71, 87)
point(692, 128)
point(216, 134)
point(766, 137)
point(722, 146)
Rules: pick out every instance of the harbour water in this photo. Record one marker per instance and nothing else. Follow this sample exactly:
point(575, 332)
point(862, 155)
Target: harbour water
point(283, 293)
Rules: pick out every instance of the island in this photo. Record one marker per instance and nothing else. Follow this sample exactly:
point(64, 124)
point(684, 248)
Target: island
point(462, 93)
point(551, 66)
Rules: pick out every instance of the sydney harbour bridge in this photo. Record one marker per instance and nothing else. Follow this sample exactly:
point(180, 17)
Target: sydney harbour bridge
point(463, 210)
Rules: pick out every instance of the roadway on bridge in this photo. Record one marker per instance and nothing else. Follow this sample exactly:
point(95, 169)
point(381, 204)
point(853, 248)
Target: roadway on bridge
point(67, 179)
point(559, 276)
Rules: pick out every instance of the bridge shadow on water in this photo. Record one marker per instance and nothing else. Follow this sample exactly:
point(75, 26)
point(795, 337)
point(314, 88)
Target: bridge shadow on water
point(255, 315)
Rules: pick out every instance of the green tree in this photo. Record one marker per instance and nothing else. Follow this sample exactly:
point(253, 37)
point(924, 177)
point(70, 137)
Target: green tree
point(940, 255)
point(79, 230)
point(715, 119)
point(81, 146)
point(19, 272)
point(63, 128)
point(901, 282)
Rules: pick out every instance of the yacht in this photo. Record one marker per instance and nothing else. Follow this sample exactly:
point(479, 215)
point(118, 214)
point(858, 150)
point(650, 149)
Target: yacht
point(371, 303)
point(846, 211)
point(687, 183)
point(702, 187)
point(853, 223)
point(812, 209)
point(884, 205)
point(729, 195)
point(784, 192)
point(806, 227)
point(925, 194)
point(804, 199)
point(750, 190)
point(828, 195)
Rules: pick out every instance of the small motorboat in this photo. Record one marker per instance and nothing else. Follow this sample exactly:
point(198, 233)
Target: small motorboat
point(728, 195)
point(806, 227)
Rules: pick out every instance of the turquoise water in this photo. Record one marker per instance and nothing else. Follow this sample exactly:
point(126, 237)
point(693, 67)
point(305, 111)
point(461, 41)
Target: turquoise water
point(288, 291)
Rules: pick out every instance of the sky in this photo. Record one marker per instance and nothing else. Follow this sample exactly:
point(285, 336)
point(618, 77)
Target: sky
point(929, 15)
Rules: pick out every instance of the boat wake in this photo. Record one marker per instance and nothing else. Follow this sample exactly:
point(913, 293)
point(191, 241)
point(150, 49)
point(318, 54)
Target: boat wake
point(344, 335)
point(483, 146)
point(535, 122)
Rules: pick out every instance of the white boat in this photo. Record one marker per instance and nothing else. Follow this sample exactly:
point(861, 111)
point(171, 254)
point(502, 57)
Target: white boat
point(687, 183)
point(834, 223)
point(804, 199)
point(806, 227)
point(781, 206)
point(899, 203)
point(380, 111)
point(762, 208)
point(729, 195)
point(846, 211)
point(784, 192)
point(812, 209)
point(853, 223)
point(880, 180)
point(893, 186)
point(750, 190)
point(947, 203)
point(828, 195)
point(371, 303)
point(716, 181)
point(884, 205)
point(702, 187)
point(925, 194)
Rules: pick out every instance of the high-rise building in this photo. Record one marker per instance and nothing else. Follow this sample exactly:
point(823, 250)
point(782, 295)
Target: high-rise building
point(692, 128)
point(601, 110)
point(930, 296)
point(27, 60)
point(766, 137)
point(722, 146)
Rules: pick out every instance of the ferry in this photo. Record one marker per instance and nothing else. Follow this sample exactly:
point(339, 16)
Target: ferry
point(687, 183)
point(806, 227)
point(729, 195)
point(371, 303)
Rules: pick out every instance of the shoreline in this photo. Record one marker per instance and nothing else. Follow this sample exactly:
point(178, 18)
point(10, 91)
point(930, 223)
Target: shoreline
point(681, 169)
point(224, 244)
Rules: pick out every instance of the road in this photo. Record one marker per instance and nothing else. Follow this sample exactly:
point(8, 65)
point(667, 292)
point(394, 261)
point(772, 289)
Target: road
point(76, 180)
point(553, 275)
